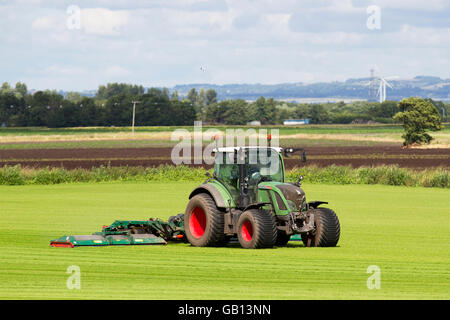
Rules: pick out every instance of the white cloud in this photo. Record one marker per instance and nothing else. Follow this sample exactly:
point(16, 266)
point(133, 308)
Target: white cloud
point(413, 36)
point(58, 70)
point(431, 5)
point(116, 72)
point(102, 21)
point(43, 23)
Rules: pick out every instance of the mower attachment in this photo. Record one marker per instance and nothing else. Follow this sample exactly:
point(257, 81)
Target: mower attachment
point(129, 232)
point(76, 241)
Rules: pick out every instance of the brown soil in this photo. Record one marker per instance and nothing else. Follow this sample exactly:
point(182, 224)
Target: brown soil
point(355, 156)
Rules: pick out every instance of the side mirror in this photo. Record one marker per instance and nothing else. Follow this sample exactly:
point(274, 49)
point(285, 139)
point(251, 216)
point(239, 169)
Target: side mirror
point(255, 177)
point(287, 152)
point(299, 182)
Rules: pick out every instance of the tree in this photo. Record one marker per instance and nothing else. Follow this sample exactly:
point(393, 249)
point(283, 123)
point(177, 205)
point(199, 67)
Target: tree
point(5, 88)
point(21, 88)
point(440, 106)
point(119, 110)
point(301, 111)
point(184, 113)
point(192, 96)
point(417, 116)
point(175, 96)
point(114, 89)
point(386, 109)
point(201, 100)
point(10, 108)
point(318, 114)
point(263, 110)
point(235, 113)
point(211, 96)
point(73, 96)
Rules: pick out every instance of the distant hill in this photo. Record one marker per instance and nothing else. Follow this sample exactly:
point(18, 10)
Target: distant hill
point(351, 89)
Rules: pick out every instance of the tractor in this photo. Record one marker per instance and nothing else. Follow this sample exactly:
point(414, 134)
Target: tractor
point(247, 197)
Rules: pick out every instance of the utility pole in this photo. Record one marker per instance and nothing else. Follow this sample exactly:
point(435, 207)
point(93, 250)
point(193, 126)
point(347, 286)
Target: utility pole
point(372, 92)
point(134, 114)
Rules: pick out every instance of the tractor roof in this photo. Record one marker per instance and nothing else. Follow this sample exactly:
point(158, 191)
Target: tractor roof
point(234, 149)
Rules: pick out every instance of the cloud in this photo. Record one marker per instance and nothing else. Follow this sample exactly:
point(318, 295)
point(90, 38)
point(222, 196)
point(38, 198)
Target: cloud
point(101, 21)
point(417, 5)
point(43, 23)
point(414, 36)
point(116, 72)
point(160, 42)
point(246, 20)
point(61, 70)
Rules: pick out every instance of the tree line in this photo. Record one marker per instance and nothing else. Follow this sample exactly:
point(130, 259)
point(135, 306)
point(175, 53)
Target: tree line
point(113, 104)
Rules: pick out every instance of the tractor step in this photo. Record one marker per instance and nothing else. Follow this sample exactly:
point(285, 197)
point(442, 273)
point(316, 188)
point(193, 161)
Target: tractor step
point(296, 237)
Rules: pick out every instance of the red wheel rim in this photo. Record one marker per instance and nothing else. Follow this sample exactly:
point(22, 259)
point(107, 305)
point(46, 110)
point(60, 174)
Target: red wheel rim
point(247, 231)
point(197, 222)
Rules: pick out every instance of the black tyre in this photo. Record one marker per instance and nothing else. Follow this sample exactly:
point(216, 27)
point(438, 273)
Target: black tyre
point(282, 238)
point(256, 229)
point(327, 230)
point(204, 222)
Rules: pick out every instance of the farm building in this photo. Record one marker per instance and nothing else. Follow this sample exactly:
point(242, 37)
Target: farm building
point(294, 122)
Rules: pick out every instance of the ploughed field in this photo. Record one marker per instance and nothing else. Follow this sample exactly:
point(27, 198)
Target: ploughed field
point(355, 145)
point(356, 156)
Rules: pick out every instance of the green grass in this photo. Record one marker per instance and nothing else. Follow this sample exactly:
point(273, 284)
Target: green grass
point(318, 128)
point(160, 143)
point(351, 128)
point(159, 136)
point(404, 231)
point(387, 175)
point(88, 144)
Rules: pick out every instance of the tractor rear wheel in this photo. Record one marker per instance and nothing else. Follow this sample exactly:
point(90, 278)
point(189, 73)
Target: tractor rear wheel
point(327, 230)
point(204, 222)
point(256, 229)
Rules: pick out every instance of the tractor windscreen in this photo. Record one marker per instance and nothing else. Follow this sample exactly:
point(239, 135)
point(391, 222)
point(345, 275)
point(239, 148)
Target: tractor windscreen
point(261, 164)
point(264, 163)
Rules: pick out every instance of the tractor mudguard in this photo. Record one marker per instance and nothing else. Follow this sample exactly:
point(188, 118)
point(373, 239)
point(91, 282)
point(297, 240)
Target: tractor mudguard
point(221, 196)
point(315, 204)
point(256, 205)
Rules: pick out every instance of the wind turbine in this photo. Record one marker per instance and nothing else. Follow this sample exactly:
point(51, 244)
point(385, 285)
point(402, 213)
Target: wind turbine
point(382, 89)
point(382, 84)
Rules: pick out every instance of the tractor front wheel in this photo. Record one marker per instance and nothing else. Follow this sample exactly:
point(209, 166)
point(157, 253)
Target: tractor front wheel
point(256, 229)
point(327, 229)
point(204, 222)
point(282, 239)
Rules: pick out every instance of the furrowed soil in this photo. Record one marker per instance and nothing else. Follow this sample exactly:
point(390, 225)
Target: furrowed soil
point(356, 156)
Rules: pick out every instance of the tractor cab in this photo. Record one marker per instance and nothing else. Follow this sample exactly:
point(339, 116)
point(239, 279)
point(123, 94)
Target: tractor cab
point(242, 169)
point(248, 172)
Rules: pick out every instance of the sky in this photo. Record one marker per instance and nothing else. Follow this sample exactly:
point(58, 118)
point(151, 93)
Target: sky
point(79, 45)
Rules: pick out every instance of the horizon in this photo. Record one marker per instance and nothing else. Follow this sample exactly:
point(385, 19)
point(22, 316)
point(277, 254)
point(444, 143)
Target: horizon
point(226, 84)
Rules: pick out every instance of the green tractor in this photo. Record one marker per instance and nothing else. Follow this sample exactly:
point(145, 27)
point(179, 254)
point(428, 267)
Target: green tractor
point(247, 197)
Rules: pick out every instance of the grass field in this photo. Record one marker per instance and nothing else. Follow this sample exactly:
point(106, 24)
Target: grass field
point(404, 231)
point(113, 137)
